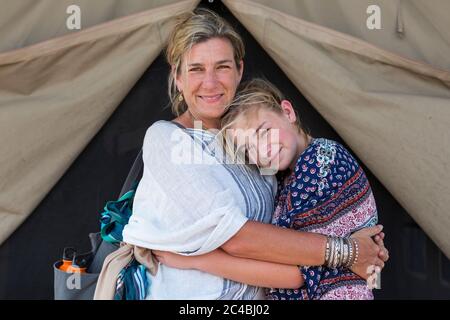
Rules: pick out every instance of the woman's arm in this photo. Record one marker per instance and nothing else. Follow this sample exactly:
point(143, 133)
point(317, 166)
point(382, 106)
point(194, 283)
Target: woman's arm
point(249, 271)
point(267, 242)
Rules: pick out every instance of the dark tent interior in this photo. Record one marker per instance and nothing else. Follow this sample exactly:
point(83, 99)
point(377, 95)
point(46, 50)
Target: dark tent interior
point(416, 269)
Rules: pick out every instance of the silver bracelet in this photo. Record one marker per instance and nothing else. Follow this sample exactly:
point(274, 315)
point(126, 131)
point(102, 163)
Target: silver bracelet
point(346, 252)
point(327, 251)
point(341, 252)
point(333, 252)
point(356, 252)
point(350, 253)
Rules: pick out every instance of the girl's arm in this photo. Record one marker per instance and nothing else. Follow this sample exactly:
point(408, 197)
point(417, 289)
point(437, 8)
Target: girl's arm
point(252, 272)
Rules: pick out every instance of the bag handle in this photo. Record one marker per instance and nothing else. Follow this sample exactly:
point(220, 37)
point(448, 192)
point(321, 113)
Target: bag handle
point(133, 175)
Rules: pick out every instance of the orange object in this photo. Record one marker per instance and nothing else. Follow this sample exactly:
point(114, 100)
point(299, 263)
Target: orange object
point(73, 263)
point(65, 265)
point(75, 269)
point(68, 255)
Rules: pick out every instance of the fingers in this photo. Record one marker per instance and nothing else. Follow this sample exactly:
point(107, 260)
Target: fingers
point(378, 263)
point(379, 238)
point(379, 242)
point(158, 255)
point(384, 254)
point(369, 232)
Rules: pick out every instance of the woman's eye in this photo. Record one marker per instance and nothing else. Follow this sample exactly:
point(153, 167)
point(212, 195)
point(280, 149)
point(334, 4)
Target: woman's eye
point(195, 69)
point(224, 67)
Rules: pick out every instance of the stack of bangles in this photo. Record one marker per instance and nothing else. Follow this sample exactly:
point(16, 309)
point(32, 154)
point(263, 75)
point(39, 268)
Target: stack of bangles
point(341, 252)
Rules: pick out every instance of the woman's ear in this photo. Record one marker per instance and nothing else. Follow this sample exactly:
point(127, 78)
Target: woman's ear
point(288, 111)
point(177, 76)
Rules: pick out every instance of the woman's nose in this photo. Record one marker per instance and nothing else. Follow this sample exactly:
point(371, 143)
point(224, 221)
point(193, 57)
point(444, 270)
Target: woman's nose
point(210, 79)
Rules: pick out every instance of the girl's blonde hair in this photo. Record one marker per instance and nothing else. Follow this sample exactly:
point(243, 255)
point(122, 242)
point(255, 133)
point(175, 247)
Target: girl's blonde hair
point(250, 97)
point(192, 28)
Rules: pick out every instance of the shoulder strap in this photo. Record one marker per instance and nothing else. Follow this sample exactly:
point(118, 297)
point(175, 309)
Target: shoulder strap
point(134, 175)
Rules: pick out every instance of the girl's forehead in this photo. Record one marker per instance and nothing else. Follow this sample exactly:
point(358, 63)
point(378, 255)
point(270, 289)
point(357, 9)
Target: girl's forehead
point(255, 117)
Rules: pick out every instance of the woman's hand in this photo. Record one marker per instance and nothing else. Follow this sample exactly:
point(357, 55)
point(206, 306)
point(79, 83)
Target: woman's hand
point(177, 261)
point(372, 252)
point(384, 253)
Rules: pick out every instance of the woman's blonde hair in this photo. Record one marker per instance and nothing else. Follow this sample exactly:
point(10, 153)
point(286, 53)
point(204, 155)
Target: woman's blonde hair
point(192, 28)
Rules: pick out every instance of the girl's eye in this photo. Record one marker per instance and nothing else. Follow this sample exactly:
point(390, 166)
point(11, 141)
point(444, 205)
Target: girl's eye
point(224, 67)
point(195, 69)
point(263, 132)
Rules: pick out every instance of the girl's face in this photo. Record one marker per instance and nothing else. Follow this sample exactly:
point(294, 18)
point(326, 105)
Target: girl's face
point(208, 79)
point(272, 140)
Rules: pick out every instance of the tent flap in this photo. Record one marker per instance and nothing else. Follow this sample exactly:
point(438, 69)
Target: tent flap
point(57, 94)
point(394, 112)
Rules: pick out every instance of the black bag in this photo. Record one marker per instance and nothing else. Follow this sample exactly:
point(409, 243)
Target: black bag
point(81, 286)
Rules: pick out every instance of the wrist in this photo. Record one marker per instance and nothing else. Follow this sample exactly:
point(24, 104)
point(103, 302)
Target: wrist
point(341, 252)
point(201, 262)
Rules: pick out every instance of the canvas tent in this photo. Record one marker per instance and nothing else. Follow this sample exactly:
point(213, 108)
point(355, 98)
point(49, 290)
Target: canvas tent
point(386, 92)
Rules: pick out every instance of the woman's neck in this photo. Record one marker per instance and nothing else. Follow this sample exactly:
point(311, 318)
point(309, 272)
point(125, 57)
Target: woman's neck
point(188, 120)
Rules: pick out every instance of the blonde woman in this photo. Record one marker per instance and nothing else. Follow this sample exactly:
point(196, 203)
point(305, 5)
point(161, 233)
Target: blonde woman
point(189, 202)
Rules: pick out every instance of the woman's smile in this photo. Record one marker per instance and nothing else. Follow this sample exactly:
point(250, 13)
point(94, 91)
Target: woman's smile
point(211, 98)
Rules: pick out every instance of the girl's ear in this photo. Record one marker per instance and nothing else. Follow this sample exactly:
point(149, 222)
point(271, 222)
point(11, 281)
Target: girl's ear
point(288, 111)
point(241, 70)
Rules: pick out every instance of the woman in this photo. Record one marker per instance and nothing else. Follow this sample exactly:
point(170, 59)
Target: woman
point(190, 202)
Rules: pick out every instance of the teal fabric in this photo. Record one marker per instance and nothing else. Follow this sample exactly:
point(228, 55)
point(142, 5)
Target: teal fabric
point(115, 216)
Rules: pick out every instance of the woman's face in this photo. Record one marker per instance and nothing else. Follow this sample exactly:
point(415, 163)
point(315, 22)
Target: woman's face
point(208, 78)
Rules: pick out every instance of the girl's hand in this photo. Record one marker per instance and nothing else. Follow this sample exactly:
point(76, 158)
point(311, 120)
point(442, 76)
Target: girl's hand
point(371, 253)
point(174, 260)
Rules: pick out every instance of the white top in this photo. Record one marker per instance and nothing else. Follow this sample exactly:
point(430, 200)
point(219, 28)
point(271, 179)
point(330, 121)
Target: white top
point(190, 202)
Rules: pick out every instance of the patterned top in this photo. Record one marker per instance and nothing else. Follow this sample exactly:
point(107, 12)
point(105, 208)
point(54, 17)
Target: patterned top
point(327, 193)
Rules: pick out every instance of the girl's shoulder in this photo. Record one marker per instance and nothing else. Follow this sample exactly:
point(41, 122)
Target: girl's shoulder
point(324, 162)
point(322, 152)
point(322, 169)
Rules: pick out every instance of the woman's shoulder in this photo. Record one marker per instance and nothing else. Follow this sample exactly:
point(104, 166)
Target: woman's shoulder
point(162, 127)
point(161, 131)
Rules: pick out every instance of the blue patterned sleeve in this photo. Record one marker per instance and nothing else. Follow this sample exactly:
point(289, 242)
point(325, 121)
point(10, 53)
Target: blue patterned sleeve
point(320, 173)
